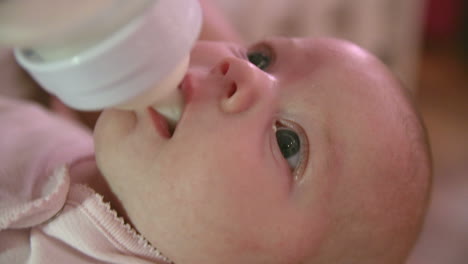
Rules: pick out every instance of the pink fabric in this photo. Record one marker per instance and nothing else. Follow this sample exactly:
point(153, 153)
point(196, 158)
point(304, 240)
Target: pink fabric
point(46, 214)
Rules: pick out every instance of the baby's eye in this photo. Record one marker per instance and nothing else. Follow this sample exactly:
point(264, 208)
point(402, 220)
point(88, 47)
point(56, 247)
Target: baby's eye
point(290, 145)
point(260, 56)
point(260, 60)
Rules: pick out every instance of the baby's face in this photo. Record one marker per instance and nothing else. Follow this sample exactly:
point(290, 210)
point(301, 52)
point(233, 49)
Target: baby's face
point(268, 153)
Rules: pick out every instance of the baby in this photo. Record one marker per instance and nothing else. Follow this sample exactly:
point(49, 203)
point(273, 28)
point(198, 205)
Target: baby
point(292, 151)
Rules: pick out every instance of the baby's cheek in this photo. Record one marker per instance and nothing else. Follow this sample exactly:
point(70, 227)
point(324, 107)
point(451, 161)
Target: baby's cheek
point(118, 122)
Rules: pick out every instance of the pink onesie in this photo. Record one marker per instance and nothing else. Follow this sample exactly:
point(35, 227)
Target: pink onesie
point(48, 211)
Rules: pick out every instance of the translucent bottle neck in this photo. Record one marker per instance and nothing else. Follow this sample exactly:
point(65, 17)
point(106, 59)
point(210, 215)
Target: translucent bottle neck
point(65, 26)
point(137, 59)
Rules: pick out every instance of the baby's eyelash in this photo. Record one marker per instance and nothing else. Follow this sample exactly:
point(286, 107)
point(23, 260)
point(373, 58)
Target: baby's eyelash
point(261, 52)
point(298, 171)
point(240, 53)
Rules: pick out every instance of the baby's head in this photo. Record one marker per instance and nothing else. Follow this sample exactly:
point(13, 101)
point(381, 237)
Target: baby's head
point(310, 153)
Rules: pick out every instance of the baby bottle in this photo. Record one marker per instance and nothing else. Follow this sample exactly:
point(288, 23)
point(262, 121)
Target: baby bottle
point(95, 54)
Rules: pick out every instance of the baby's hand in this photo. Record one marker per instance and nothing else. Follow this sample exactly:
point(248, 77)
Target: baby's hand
point(16, 82)
point(86, 118)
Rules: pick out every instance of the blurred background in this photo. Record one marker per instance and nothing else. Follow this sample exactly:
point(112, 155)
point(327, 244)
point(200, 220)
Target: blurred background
point(425, 42)
point(442, 96)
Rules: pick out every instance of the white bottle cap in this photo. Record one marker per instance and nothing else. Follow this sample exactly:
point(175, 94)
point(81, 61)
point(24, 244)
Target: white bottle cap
point(130, 62)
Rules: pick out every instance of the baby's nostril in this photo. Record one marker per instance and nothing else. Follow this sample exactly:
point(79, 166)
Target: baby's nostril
point(224, 68)
point(232, 90)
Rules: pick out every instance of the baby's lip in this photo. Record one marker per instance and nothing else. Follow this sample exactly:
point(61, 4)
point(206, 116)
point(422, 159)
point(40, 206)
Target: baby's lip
point(186, 86)
point(160, 123)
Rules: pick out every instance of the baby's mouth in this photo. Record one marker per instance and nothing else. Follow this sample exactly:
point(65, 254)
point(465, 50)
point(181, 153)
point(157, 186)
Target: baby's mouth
point(166, 115)
point(171, 115)
point(164, 127)
point(172, 127)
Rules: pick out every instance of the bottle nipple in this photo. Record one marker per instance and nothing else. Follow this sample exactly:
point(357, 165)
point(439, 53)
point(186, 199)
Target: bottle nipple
point(171, 108)
point(165, 97)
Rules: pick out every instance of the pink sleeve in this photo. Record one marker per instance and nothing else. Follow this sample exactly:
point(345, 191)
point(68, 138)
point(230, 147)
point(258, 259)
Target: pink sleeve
point(35, 146)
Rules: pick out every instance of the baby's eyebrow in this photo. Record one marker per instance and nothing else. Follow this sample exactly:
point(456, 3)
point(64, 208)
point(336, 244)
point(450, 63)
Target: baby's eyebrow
point(238, 51)
point(333, 151)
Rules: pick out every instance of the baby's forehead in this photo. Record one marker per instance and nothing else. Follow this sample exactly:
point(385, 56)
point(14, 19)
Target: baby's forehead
point(336, 83)
point(346, 96)
point(305, 58)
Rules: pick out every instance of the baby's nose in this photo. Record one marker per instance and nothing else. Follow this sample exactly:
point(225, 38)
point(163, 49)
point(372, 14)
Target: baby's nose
point(243, 83)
